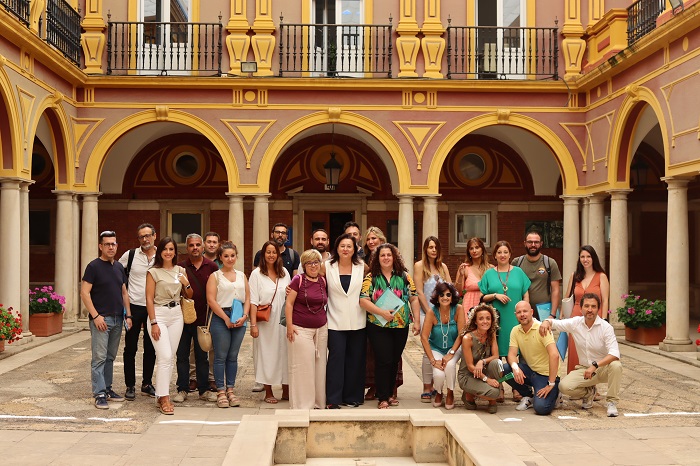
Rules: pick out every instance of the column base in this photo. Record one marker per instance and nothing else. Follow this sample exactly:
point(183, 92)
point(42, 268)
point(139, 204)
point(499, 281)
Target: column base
point(677, 346)
point(27, 337)
point(619, 328)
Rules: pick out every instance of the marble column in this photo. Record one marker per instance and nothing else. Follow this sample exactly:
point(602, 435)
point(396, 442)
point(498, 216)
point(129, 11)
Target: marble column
point(596, 225)
point(430, 217)
point(619, 252)
point(586, 203)
point(89, 249)
point(677, 268)
point(64, 281)
point(76, 272)
point(10, 233)
point(24, 257)
point(571, 239)
point(236, 232)
point(261, 221)
point(406, 230)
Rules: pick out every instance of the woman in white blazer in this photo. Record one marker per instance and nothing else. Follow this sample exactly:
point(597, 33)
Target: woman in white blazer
point(345, 372)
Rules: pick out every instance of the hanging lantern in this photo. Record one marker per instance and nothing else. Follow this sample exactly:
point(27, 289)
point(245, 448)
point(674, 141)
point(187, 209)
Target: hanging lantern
point(332, 168)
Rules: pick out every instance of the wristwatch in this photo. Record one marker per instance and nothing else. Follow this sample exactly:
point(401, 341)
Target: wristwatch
point(484, 378)
point(188, 287)
point(551, 384)
point(595, 364)
point(452, 351)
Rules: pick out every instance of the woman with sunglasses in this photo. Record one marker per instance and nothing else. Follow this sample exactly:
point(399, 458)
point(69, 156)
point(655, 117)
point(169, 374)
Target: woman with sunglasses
point(439, 336)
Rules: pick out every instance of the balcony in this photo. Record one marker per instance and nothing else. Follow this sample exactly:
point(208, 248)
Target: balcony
point(167, 49)
point(641, 18)
point(335, 50)
point(63, 29)
point(19, 8)
point(489, 52)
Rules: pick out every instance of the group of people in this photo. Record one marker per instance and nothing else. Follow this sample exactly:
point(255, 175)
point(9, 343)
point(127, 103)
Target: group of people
point(330, 325)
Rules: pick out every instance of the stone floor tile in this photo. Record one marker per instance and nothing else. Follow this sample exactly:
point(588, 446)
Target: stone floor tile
point(575, 448)
point(624, 456)
point(578, 460)
point(68, 459)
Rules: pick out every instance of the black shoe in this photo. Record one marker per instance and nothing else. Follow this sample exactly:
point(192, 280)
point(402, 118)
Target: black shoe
point(101, 402)
point(112, 396)
point(130, 394)
point(352, 404)
point(333, 407)
point(148, 389)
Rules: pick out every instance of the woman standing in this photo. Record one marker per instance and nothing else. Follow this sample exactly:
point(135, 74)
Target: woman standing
point(373, 238)
point(589, 277)
point(165, 282)
point(223, 288)
point(267, 284)
point(347, 339)
point(439, 336)
point(475, 264)
point(388, 330)
point(428, 272)
point(479, 370)
point(504, 286)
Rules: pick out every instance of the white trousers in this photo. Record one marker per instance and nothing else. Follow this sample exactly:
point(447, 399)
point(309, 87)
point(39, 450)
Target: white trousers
point(170, 323)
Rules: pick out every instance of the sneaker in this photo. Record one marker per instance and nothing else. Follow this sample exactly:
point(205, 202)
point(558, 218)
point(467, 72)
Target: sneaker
point(258, 387)
point(560, 401)
point(208, 396)
point(130, 394)
point(111, 396)
point(588, 398)
point(493, 408)
point(525, 403)
point(470, 405)
point(148, 389)
point(180, 397)
point(101, 402)
point(612, 409)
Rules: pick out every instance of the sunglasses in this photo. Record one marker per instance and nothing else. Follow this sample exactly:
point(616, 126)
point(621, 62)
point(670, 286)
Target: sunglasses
point(447, 294)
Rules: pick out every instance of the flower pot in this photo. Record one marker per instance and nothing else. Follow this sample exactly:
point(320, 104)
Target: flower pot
point(2, 346)
point(645, 336)
point(45, 325)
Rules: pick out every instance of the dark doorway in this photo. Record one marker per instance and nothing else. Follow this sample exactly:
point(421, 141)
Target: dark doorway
point(332, 222)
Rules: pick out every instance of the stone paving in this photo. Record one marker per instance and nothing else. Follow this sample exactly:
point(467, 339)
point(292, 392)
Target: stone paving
point(47, 415)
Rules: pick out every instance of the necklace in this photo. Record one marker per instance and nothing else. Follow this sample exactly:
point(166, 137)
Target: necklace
point(445, 334)
point(306, 297)
point(504, 283)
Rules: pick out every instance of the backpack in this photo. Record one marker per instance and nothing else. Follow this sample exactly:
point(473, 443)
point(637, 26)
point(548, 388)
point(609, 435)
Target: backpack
point(132, 254)
point(547, 267)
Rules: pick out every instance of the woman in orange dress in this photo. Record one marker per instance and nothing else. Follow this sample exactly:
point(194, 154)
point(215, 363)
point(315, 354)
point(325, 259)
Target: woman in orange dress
point(470, 272)
point(589, 277)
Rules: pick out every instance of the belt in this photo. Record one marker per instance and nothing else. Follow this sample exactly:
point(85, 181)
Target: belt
point(226, 309)
point(171, 304)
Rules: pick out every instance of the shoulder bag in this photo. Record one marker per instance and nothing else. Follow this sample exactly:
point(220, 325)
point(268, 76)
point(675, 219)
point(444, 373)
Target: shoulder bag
point(567, 304)
point(264, 310)
point(204, 335)
point(189, 313)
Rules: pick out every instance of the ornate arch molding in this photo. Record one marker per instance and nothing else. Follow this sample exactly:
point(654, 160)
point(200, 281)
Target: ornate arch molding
point(61, 139)
point(10, 131)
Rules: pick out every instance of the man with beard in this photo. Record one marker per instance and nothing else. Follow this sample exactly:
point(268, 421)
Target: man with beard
point(319, 242)
point(211, 247)
point(290, 257)
point(352, 228)
point(544, 274)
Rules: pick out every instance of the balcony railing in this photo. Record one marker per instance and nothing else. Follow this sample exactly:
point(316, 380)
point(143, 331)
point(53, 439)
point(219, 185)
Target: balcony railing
point(335, 50)
point(19, 8)
point(63, 29)
point(641, 18)
point(164, 48)
point(486, 52)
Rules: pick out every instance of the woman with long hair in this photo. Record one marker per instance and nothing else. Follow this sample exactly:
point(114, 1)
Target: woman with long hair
point(427, 273)
point(479, 369)
point(589, 277)
point(224, 288)
point(387, 329)
point(267, 286)
point(440, 339)
point(165, 283)
point(373, 238)
point(469, 273)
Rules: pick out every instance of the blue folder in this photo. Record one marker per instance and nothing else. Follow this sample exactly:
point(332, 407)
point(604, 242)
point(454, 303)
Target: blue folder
point(236, 311)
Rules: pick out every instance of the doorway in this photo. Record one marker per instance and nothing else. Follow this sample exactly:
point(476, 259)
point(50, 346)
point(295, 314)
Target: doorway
point(332, 222)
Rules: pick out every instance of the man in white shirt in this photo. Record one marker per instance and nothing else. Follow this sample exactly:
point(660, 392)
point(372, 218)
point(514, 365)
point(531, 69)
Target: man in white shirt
point(598, 353)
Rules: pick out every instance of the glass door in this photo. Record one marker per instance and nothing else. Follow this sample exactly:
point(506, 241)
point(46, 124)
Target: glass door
point(337, 40)
point(500, 39)
point(165, 37)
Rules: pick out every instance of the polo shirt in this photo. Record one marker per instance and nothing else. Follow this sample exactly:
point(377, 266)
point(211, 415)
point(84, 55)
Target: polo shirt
point(533, 347)
point(592, 344)
point(199, 286)
point(137, 275)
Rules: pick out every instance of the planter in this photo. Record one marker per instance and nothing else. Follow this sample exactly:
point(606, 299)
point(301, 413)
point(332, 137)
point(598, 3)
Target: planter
point(645, 336)
point(45, 325)
point(2, 346)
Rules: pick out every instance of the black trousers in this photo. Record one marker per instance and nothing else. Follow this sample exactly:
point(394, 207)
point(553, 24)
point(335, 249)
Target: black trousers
point(345, 370)
point(201, 361)
point(388, 345)
point(139, 316)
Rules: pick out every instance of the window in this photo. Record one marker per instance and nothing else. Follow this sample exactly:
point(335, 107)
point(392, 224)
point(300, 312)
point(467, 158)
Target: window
point(469, 225)
point(165, 46)
point(183, 223)
point(40, 228)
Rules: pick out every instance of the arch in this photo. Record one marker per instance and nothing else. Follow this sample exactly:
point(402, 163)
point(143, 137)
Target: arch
point(93, 170)
point(278, 144)
point(13, 130)
point(61, 139)
point(630, 110)
point(559, 149)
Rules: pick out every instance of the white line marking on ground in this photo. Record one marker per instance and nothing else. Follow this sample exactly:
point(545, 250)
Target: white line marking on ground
point(511, 419)
point(208, 423)
point(41, 418)
point(105, 419)
point(567, 417)
point(680, 413)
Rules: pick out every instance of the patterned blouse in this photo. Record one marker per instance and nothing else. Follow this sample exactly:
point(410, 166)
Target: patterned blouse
point(402, 286)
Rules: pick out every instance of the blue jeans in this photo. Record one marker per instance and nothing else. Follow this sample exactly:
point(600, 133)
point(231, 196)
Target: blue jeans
point(534, 381)
point(104, 350)
point(227, 343)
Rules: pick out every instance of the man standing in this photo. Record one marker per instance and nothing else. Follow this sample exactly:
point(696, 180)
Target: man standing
point(597, 345)
point(543, 273)
point(352, 228)
point(137, 262)
point(103, 291)
point(539, 373)
point(319, 242)
point(211, 247)
point(198, 270)
point(289, 256)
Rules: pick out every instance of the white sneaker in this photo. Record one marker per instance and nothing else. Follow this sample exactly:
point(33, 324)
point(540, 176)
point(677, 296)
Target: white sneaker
point(560, 401)
point(588, 398)
point(208, 396)
point(258, 387)
point(180, 397)
point(612, 409)
point(524, 404)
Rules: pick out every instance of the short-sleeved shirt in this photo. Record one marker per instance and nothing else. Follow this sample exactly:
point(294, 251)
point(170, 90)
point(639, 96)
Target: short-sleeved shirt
point(107, 279)
point(168, 285)
point(533, 347)
point(537, 273)
point(309, 309)
point(199, 285)
point(401, 285)
point(290, 263)
point(137, 275)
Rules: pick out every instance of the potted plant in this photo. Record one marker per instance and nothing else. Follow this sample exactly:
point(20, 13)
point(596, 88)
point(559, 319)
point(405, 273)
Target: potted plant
point(10, 327)
point(45, 311)
point(645, 320)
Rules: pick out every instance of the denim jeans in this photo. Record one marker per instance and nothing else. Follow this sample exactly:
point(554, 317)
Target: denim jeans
point(189, 333)
point(227, 343)
point(104, 350)
point(534, 381)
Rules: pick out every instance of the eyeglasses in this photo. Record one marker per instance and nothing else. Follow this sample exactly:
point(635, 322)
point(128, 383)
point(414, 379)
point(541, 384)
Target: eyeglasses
point(446, 294)
point(281, 233)
point(533, 242)
point(313, 263)
point(142, 237)
point(109, 245)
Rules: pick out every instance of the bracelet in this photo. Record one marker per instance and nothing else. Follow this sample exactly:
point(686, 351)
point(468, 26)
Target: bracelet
point(514, 365)
point(98, 315)
point(128, 317)
point(553, 316)
point(154, 323)
point(253, 325)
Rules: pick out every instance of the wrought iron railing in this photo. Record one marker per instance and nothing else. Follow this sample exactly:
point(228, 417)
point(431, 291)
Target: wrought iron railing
point(63, 29)
point(486, 52)
point(19, 8)
point(641, 18)
point(335, 50)
point(164, 48)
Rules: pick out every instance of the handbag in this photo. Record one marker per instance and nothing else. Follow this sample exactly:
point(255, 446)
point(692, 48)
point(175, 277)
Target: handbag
point(189, 314)
point(567, 305)
point(204, 335)
point(264, 310)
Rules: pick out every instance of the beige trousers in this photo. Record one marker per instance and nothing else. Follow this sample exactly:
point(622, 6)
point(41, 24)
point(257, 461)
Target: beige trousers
point(306, 358)
point(575, 386)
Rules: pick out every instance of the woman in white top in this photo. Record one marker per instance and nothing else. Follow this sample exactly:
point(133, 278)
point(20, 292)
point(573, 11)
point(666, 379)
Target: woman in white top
point(269, 281)
point(165, 281)
point(345, 371)
point(227, 293)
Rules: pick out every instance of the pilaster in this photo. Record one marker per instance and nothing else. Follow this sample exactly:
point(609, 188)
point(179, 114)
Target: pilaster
point(432, 43)
point(237, 41)
point(407, 44)
point(93, 39)
point(263, 41)
point(573, 45)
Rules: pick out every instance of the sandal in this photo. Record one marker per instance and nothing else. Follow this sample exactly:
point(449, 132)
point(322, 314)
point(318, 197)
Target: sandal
point(272, 400)
point(370, 395)
point(383, 405)
point(450, 405)
point(426, 397)
point(165, 406)
point(233, 400)
point(221, 400)
point(393, 401)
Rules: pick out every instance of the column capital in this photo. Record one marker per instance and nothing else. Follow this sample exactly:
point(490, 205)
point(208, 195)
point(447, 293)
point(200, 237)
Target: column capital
point(89, 196)
point(597, 198)
point(25, 184)
point(405, 197)
point(427, 197)
point(60, 192)
point(571, 198)
point(619, 194)
point(10, 183)
point(676, 182)
point(233, 196)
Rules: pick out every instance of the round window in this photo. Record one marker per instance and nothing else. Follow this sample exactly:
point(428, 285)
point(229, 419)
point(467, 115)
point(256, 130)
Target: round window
point(186, 165)
point(472, 166)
